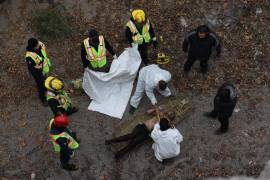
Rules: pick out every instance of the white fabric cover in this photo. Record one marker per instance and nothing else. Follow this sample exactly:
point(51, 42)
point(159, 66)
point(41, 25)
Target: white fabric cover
point(166, 143)
point(110, 92)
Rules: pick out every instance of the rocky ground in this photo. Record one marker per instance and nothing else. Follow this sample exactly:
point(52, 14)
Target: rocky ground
point(244, 29)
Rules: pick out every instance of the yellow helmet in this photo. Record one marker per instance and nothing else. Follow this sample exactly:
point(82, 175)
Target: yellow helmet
point(138, 15)
point(162, 59)
point(53, 84)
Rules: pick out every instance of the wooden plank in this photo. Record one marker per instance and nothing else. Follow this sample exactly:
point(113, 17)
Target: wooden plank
point(180, 105)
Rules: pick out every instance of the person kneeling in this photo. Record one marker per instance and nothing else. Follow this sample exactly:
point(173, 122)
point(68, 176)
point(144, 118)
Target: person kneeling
point(166, 139)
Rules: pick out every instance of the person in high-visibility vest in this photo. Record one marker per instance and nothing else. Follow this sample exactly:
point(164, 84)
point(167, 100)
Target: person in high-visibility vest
point(139, 31)
point(93, 52)
point(38, 65)
point(64, 140)
point(57, 98)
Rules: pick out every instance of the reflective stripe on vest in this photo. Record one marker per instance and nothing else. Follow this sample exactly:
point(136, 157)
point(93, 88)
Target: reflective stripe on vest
point(137, 37)
point(72, 143)
point(97, 58)
point(62, 98)
point(40, 62)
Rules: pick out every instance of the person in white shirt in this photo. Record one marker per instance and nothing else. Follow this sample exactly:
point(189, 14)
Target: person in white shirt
point(166, 139)
point(150, 78)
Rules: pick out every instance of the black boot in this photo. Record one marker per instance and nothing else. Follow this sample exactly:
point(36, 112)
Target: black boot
point(70, 167)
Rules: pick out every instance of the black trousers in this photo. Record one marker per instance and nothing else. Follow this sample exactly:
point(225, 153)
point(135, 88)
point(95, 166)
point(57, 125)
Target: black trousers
point(64, 159)
point(191, 60)
point(139, 134)
point(223, 118)
point(40, 81)
point(143, 52)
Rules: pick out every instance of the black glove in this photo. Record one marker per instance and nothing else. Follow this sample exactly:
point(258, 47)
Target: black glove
point(155, 43)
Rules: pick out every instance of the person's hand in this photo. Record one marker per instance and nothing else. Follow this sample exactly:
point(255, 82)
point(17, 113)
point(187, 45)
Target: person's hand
point(114, 56)
point(72, 155)
point(155, 44)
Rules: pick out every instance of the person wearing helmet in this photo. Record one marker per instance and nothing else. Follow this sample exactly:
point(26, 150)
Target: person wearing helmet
point(57, 98)
point(139, 31)
point(38, 65)
point(64, 140)
point(199, 44)
point(93, 52)
point(224, 104)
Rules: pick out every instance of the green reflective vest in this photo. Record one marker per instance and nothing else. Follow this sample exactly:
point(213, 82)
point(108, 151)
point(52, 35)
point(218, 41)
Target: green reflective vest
point(72, 143)
point(62, 97)
point(97, 58)
point(137, 37)
point(40, 63)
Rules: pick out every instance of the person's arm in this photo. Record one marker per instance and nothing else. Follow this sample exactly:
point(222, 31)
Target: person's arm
point(186, 43)
point(63, 143)
point(150, 94)
point(85, 62)
point(152, 32)
point(109, 47)
point(216, 43)
point(166, 92)
point(54, 105)
point(156, 132)
point(129, 35)
point(32, 66)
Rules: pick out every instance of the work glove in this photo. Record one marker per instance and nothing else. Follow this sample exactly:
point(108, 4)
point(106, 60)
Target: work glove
point(72, 155)
point(114, 56)
point(155, 43)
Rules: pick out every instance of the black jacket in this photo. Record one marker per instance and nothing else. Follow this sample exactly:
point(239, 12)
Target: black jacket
point(129, 34)
point(201, 48)
point(225, 106)
point(84, 54)
point(54, 105)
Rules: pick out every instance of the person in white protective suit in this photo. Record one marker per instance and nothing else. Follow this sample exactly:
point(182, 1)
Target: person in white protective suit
point(150, 78)
point(166, 139)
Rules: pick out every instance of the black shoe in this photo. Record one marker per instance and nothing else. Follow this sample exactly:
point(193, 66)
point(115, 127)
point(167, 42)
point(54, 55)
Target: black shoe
point(45, 103)
point(219, 132)
point(108, 142)
point(70, 167)
point(132, 109)
point(209, 115)
point(118, 155)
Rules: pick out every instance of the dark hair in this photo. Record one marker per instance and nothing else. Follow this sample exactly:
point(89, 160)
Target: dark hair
point(203, 29)
point(32, 43)
point(92, 33)
point(224, 94)
point(164, 124)
point(162, 85)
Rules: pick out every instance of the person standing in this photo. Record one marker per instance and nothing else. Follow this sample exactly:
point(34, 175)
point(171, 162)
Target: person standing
point(38, 65)
point(139, 31)
point(151, 78)
point(198, 44)
point(64, 140)
point(93, 52)
point(224, 104)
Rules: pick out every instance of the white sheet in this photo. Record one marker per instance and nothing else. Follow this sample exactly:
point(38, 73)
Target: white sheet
point(110, 92)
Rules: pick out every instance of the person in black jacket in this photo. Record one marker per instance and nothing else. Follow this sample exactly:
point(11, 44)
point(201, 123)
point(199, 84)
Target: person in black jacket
point(139, 31)
point(95, 42)
point(34, 50)
point(199, 44)
point(64, 140)
point(224, 104)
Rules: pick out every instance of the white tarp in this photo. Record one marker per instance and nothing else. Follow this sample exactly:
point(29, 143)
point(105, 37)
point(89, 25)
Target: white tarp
point(110, 92)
